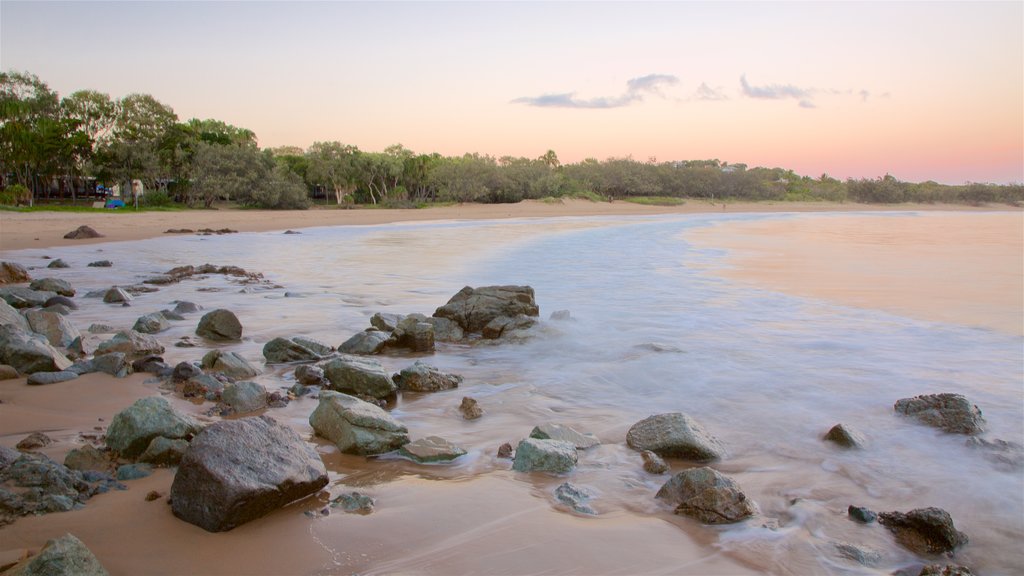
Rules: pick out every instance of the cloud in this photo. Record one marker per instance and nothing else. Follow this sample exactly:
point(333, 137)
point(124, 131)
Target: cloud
point(636, 89)
point(775, 91)
point(705, 92)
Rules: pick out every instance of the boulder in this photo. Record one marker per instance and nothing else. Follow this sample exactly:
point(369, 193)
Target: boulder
point(62, 300)
point(533, 455)
point(949, 412)
point(229, 364)
point(116, 295)
point(708, 496)
point(560, 315)
point(164, 451)
point(151, 364)
point(59, 332)
point(7, 372)
point(133, 344)
point(23, 297)
point(653, 464)
point(858, 554)
point(244, 397)
point(360, 376)
point(366, 343)
point(10, 315)
point(54, 487)
point(184, 307)
point(203, 386)
point(421, 377)
point(114, 363)
point(845, 436)
point(82, 232)
point(674, 435)
point(431, 449)
point(576, 498)
point(61, 287)
point(87, 457)
point(470, 408)
point(101, 329)
point(415, 333)
point(58, 263)
point(185, 371)
point(13, 273)
point(861, 514)
point(42, 378)
point(503, 326)
point(133, 471)
point(446, 330)
point(946, 570)
point(28, 353)
point(474, 308)
point(220, 325)
point(100, 264)
point(386, 322)
point(924, 530)
point(314, 345)
point(64, 556)
point(309, 375)
point(132, 429)
point(280, 350)
point(33, 441)
point(151, 323)
point(236, 471)
point(355, 426)
point(551, 431)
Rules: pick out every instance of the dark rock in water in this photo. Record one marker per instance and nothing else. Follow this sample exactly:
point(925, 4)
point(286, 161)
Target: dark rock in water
point(1006, 455)
point(13, 273)
point(309, 375)
point(359, 376)
point(353, 502)
point(292, 232)
point(164, 451)
point(28, 353)
point(366, 343)
point(87, 457)
point(281, 350)
point(533, 455)
point(220, 325)
point(474, 308)
point(949, 412)
point(59, 309)
point(653, 464)
point(133, 471)
point(22, 297)
point(58, 263)
point(947, 570)
point(552, 431)
point(708, 496)
point(229, 364)
point(132, 429)
point(131, 343)
point(82, 232)
point(64, 556)
point(187, 307)
point(116, 295)
point(471, 409)
point(63, 300)
point(845, 436)
point(924, 530)
point(33, 441)
point(505, 451)
point(151, 323)
point(236, 471)
point(421, 377)
point(184, 371)
point(431, 449)
point(244, 397)
point(42, 378)
point(575, 498)
point(355, 426)
point(314, 345)
point(674, 435)
point(7, 372)
point(61, 287)
point(57, 329)
point(100, 264)
point(151, 364)
point(862, 515)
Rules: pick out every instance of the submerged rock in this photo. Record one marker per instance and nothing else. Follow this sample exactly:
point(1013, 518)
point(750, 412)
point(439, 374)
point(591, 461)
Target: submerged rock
point(421, 377)
point(861, 514)
point(42, 378)
point(575, 498)
point(132, 429)
point(947, 570)
point(431, 449)
point(924, 530)
point(220, 325)
point(355, 426)
point(551, 431)
point(58, 263)
point(473, 308)
point(653, 464)
point(859, 554)
point(708, 496)
point(115, 295)
point(675, 435)
point(353, 502)
point(949, 412)
point(845, 436)
point(533, 455)
point(64, 556)
point(360, 376)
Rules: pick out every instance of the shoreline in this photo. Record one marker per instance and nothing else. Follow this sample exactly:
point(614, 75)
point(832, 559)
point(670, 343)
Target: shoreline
point(25, 230)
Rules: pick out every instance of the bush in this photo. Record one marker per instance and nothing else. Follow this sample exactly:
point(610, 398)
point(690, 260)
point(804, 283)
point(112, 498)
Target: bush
point(156, 199)
point(15, 195)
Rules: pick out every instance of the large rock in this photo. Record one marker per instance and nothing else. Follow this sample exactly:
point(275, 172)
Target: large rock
point(10, 315)
point(164, 451)
point(43, 378)
point(13, 273)
point(386, 322)
point(236, 471)
point(244, 397)
point(949, 412)
point(116, 295)
point(706, 495)
point(360, 376)
point(151, 323)
point(533, 455)
point(25, 297)
point(924, 530)
point(280, 350)
point(473, 308)
point(366, 343)
point(229, 364)
point(131, 343)
point(29, 353)
point(59, 332)
point(415, 333)
point(421, 377)
point(83, 232)
point(61, 287)
point(551, 431)
point(845, 436)
point(132, 429)
point(431, 449)
point(446, 330)
point(674, 435)
point(221, 325)
point(356, 427)
point(64, 556)
point(505, 326)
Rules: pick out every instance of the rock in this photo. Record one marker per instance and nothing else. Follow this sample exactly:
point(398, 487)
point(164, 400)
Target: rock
point(9, 315)
point(185, 371)
point(153, 495)
point(281, 350)
point(58, 263)
point(58, 309)
point(353, 502)
point(675, 435)
point(708, 496)
point(61, 287)
point(924, 530)
point(431, 449)
point(55, 487)
point(28, 353)
point(421, 377)
point(505, 451)
point(229, 364)
point(171, 315)
point(309, 375)
point(355, 426)
point(470, 408)
point(1006, 455)
point(947, 570)
point(151, 323)
point(63, 300)
point(100, 264)
point(861, 514)
point(13, 273)
point(949, 412)
point(133, 471)
point(64, 556)
point(184, 307)
point(474, 308)
point(859, 554)
point(575, 498)
point(7, 457)
point(114, 363)
point(132, 429)
point(23, 297)
point(551, 431)
point(244, 397)
point(101, 329)
point(314, 345)
point(8, 372)
point(133, 344)
point(33, 441)
point(236, 471)
point(151, 364)
point(845, 436)
point(386, 322)
point(220, 325)
point(359, 376)
point(116, 295)
point(533, 455)
point(560, 315)
point(505, 325)
point(446, 330)
point(164, 451)
point(43, 378)
point(653, 464)
point(366, 343)
point(59, 332)
point(82, 232)
point(87, 457)
point(203, 386)
point(415, 333)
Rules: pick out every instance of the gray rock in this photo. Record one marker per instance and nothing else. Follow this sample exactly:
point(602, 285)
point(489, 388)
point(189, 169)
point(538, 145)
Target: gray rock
point(386, 322)
point(64, 556)
point(949, 412)
point(116, 295)
point(845, 436)
point(414, 333)
point(187, 307)
point(8, 372)
point(87, 457)
point(576, 498)
point(354, 503)
point(100, 264)
point(314, 345)
point(63, 300)
point(280, 350)
point(185, 370)
point(151, 364)
point(10, 315)
point(164, 451)
point(49, 479)
point(551, 431)
point(421, 377)
point(115, 363)
point(470, 408)
point(133, 471)
point(133, 344)
point(560, 315)
point(653, 464)
point(7, 457)
point(236, 471)
point(220, 325)
point(61, 287)
point(244, 397)
point(151, 323)
point(132, 429)
point(309, 375)
point(708, 496)
point(229, 364)
point(34, 441)
point(533, 455)
point(360, 376)
point(58, 263)
point(13, 273)
point(859, 554)
point(58, 308)
point(203, 386)
point(42, 378)
point(446, 330)
point(83, 232)
point(28, 353)
point(924, 530)
point(1006, 455)
point(171, 315)
point(505, 326)
point(862, 515)
point(431, 449)
point(366, 343)
point(25, 297)
point(474, 308)
point(59, 332)
point(356, 427)
point(945, 570)
point(674, 435)
point(101, 329)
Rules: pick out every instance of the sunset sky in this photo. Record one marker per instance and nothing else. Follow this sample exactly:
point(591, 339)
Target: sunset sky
point(923, 91)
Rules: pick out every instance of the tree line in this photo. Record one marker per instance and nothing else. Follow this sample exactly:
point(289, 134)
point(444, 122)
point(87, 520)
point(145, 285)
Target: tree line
point(63, 147)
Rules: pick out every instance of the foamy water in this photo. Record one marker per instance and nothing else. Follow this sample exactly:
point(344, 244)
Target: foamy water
point(653, 330)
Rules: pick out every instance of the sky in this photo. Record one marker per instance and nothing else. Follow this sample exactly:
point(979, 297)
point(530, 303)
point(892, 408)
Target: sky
point(920, 90)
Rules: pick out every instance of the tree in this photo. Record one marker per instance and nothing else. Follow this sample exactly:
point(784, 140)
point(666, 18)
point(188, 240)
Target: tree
point(218, 132)
point(333, 165)
point(138, 140)
point(28, 111)
point(94, 111)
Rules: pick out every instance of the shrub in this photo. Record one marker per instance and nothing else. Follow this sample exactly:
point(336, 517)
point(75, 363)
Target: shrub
point(15, 195)
point(158, 198)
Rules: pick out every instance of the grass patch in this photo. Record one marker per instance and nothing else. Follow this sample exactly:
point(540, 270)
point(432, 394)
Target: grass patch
point(89, 209)
point(655, 200)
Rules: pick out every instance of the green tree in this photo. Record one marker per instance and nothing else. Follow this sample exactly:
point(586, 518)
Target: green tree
point(29, 111)
point(334, 166)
